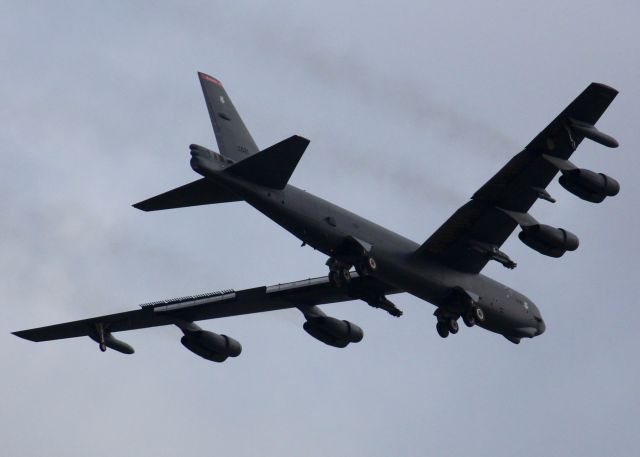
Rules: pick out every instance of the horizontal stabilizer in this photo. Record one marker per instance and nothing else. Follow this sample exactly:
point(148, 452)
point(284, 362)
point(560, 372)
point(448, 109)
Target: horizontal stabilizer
point(200, 192)
point(273, 166)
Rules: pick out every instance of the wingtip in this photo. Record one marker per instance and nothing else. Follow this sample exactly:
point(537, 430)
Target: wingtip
point(206, 77)
point(22, 334)
point(604, 87)
point(302, 139)
point(141, 206)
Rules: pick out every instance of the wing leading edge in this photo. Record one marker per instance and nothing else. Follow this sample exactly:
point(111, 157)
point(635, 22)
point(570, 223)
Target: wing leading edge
point(473, 234)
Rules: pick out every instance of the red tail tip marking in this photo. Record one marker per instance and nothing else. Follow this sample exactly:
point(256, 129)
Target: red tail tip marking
point(209, 78)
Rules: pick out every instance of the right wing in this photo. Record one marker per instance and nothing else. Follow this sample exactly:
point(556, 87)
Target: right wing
point(214, 305)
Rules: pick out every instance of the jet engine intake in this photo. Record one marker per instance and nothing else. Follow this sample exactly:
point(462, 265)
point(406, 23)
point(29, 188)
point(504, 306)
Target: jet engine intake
point(334, 332)
point(548, 240)
point(211, 346)
point(588, 185)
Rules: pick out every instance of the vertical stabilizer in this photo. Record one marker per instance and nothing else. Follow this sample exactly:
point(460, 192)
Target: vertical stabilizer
point(234, 140)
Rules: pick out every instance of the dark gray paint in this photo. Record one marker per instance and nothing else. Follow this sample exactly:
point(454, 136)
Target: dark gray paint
point(444, 270)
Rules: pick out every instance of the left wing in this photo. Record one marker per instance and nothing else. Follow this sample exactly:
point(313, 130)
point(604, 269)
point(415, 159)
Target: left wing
point(301, 294)
point(475, 232)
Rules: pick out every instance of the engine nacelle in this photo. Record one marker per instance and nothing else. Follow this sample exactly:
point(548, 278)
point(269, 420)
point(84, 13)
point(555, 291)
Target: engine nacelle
point(548, 240)
point(332, 331)
point(211, 346)
point(588, 185)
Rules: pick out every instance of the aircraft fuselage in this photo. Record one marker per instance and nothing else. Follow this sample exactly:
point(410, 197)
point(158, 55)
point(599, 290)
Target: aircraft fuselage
point(324, 226)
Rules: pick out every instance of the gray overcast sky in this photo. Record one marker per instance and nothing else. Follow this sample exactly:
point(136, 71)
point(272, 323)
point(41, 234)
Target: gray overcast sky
point(410, 107)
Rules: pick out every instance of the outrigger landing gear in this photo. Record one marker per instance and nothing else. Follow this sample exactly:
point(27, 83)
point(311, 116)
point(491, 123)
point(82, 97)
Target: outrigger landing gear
point(105, 339)
point(100, 331)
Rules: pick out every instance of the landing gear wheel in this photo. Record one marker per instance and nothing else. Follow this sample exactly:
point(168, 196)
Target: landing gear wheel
point(103, 347)
point(371, 263)
point(345, 276)
point(334, 278)
point(478, 314)
point(442, 329)
point(366, 266)
point(468, 319)
point(453, 326)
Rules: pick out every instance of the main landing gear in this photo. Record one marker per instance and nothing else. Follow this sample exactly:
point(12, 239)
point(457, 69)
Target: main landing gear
point(339, 274)
point(473, 316)
point(448, 321)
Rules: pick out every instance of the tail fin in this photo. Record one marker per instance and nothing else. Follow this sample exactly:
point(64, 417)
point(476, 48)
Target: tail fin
point(234, 140)
point(273, 166)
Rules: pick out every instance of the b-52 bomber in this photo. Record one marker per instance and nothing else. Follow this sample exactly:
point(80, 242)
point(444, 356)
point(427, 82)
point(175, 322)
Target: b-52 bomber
point(445, 270)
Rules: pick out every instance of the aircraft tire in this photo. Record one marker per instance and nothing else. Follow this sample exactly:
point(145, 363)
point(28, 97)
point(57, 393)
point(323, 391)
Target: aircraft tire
point(345, 276)
point(478, 314)
point(453, 326)
point(103, 347)
point(468, 319)
point(334, 278)
point(366, 266)
point(442, 329)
